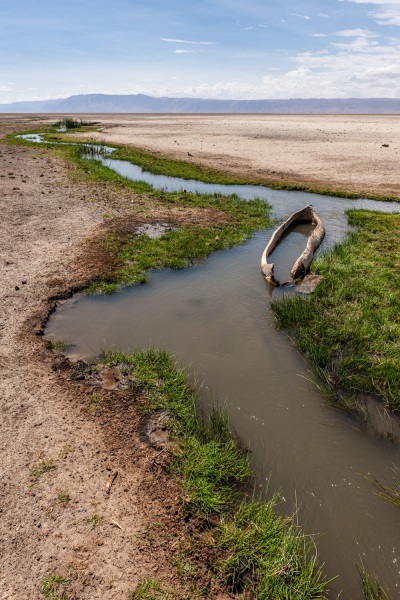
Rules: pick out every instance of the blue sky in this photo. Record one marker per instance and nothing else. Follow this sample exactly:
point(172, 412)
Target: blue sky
point(212, 48)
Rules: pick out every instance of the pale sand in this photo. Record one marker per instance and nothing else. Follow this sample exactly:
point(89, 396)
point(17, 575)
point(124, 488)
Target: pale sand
point(336, 152)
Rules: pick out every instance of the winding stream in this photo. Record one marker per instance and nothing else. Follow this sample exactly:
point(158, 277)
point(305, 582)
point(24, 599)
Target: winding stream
point(216, 318)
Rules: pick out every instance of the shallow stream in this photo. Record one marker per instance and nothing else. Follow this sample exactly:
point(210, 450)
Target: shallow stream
point(216, 318)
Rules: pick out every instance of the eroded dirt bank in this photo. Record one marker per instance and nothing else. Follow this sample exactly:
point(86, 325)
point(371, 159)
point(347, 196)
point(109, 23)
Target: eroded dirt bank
point(58, 450)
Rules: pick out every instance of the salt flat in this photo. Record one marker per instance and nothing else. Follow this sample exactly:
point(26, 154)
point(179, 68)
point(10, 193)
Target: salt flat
point(335, 152)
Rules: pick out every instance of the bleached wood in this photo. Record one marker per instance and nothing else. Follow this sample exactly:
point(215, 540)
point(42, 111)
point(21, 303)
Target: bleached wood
point(300, 267)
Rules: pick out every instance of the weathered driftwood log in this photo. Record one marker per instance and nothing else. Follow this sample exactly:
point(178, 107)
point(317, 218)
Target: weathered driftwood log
point(300, 267)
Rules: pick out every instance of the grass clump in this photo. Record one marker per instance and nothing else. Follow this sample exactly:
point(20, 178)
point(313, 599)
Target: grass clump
point(91, 149)
point(70, 123)
point(267, 556)
point(50, 587)
point(94, 520)
point(350, 328)
point(40, 469)
point(149, 589)
point(58, 345)
point(256, 550)
point(371, 587)
point(389, 492)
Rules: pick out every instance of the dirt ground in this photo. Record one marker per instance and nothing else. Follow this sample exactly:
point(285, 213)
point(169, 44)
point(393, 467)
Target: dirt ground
point(57, 453)
point(58, 449)
point(353, 153)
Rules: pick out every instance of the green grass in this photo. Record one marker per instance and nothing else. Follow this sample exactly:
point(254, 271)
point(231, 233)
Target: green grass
point(257, 550)
point(371, 587)
point(94, 520)
point(40, 469)
point(58, 345)
point(70, 123)
point(389, 492)
point(266, 555)
point(50, 587)
point(350, 327)
point(149, 589)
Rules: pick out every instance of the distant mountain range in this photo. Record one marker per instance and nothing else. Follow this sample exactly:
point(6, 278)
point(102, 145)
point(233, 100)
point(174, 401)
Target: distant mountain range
point(139, 103)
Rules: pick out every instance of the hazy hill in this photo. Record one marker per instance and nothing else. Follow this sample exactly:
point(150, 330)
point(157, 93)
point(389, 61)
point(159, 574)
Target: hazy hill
point(139, 103)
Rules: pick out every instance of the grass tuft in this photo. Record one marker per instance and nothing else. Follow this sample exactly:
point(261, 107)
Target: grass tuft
point(50, 587)
point(70, 123)
point(267, 555)
point(149, 589)
point(391, 492)
point(371, 587)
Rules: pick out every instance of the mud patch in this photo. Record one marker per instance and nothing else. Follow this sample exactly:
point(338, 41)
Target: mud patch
point(154, 231)
point(155, 429)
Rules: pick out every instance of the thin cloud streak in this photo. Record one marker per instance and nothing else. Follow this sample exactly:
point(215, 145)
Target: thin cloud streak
point(174, 41)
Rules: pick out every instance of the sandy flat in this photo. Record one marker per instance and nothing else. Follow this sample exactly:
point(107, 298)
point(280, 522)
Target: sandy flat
point(335, 152)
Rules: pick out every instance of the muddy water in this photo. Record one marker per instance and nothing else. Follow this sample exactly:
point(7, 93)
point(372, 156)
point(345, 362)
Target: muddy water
point(215, 318)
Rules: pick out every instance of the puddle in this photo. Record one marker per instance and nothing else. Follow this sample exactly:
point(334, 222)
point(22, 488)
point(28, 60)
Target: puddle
point(216, 318)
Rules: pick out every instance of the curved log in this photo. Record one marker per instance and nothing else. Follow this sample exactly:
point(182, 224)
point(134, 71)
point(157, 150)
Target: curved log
point(300, 267)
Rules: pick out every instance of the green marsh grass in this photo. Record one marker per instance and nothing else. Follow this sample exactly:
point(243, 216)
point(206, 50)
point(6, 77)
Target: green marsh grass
point(371, 587)
point(91, 148)
point(70, 123)
point(350, 327)
point(258, 551)
point(389, 492)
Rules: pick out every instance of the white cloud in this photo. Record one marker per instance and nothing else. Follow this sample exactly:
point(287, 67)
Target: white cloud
point(395, 2)
point(387, 17)
point(174, 41)
point(359, 67)
point(359, 33)
point(323, 16)
point(319, 35)
point(306, 17)
point(183, 51)
point(389, 14)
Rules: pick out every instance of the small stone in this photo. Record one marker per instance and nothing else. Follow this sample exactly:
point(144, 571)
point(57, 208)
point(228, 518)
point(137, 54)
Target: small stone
point(17, 288)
